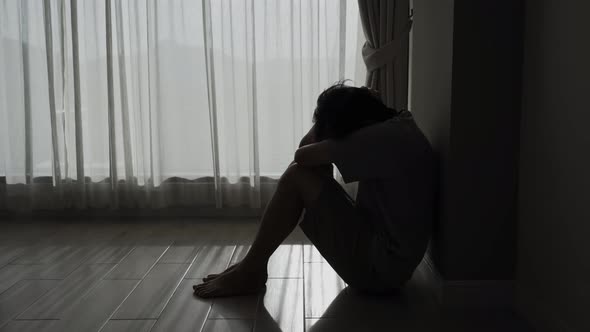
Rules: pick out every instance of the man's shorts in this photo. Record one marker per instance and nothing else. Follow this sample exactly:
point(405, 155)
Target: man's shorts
point(356, 250)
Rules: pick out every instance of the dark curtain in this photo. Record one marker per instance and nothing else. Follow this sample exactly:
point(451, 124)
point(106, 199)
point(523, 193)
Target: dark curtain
point(386, 24)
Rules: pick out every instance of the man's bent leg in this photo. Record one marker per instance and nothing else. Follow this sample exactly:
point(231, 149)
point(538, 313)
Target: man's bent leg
point(346, 238)
point(297, 188)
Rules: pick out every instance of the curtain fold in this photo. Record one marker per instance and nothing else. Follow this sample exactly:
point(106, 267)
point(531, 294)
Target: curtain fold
point(154, 104)
point(387, 24)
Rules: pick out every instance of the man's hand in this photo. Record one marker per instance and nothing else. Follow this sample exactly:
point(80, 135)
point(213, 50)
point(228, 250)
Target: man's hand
point(309, 138)
point(315, 154)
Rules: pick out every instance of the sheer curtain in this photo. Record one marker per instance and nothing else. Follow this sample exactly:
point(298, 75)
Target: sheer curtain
point(146, 103)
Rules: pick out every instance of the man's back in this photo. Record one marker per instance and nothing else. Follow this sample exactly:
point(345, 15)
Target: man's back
point(394, 165)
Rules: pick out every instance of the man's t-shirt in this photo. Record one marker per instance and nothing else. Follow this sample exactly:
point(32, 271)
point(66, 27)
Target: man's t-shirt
point(394, 165)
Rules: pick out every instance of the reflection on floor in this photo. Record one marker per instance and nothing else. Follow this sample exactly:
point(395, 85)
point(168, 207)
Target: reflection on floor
point(139, 276)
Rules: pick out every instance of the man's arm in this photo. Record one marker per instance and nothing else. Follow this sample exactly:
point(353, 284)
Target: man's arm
point(310, 139)
point(315, 154)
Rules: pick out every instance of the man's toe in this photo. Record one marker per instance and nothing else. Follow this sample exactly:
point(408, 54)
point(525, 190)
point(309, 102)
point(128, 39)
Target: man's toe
point(210, 277)
point(208, 292)
point(199, 287)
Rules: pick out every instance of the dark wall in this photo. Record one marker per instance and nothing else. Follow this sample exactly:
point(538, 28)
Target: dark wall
point(431, 64)
point(477, 135)
point(480, 233)
point(553, 277)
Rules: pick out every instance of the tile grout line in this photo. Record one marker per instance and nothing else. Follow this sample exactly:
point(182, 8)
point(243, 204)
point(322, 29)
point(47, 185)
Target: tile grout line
point(47, 241)
point(258, 304)
point(82, 262)
point(39, 298)
point(87, 290)
point(135, 245)
point(198, 253)
point(212, 302)
point(134, 287)
point(12, 318)
point(109, 242)
point(303, 285)
point(14, 258)
point(180, 281)
point(25, 278)
point(77, 266)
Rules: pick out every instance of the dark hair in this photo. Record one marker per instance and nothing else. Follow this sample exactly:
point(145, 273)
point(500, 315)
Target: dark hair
point(343, 109)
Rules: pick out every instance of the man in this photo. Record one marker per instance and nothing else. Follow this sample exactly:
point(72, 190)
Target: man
point(373, 243)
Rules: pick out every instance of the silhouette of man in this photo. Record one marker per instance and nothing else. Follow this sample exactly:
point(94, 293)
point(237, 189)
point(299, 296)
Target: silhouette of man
point(374, 242)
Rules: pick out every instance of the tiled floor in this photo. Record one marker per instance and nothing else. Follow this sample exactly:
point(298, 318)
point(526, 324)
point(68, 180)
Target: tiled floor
point(139, 277)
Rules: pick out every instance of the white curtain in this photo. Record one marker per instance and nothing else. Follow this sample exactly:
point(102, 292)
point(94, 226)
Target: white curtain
point(153, 103)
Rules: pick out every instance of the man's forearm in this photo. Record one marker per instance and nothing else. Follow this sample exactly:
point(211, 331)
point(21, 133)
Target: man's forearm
point(310, 138)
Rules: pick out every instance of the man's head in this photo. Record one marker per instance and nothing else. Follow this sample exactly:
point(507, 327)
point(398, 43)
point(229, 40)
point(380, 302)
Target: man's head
point(343, 109)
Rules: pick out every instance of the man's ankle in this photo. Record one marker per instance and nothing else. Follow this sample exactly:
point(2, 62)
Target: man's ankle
point(251, 264)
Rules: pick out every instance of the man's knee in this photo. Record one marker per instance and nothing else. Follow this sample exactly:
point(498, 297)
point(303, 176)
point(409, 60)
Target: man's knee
point(297, 172)
point(308, 181)
point(292, 174)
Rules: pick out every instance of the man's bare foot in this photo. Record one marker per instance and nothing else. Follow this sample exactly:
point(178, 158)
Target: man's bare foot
point(241, 280)
point(216, 275)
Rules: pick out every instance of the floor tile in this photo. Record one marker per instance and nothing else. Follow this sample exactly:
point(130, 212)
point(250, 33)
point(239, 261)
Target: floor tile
point(235, 307)
point(43, 254)
point(62, 266)
point(233, 325)
point(95, 308)
point(87, 300)
point(151, 295)
point(322, 285)
point(128, 325)
point(312, 255)
point(282, 306)
point(221, 231)
point(9, 253)
point(296, 237)
point(239, 253)
point(27, 231)
point(187, 241)
point(286, 262)
point(31, 326)
point(210, 259)
point(112, 251)
point(67, 292)
point(138, 262)
point(180, 252)
point(84, 233)
point(18, 297)
point(184, 311)
point(11, 274)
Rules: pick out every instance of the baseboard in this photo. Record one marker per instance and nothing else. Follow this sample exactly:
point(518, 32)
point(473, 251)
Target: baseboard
point(469, 293)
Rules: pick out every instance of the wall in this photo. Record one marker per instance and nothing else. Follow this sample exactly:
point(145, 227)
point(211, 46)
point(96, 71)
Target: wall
point(431, 69)
point(466, 96)
point(479, 236)
point(553, 275)
point(431, 62)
